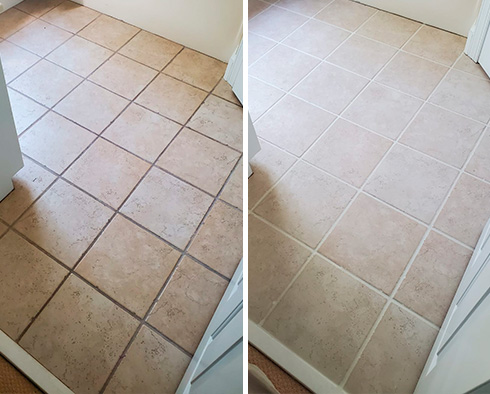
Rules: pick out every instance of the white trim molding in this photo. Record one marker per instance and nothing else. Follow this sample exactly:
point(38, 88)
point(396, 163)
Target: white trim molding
point(478, 32)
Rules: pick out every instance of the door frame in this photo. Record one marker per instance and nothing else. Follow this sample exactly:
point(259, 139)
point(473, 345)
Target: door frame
point(478, 32)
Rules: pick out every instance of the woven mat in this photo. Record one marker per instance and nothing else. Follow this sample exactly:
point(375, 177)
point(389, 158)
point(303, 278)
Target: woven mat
point(13, 382)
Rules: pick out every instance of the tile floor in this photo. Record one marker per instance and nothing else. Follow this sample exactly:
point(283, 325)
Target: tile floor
point(371, 189)
point(125, 224)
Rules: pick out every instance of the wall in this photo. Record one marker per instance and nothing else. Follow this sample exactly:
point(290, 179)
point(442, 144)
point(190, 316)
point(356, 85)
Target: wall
point(213, 27)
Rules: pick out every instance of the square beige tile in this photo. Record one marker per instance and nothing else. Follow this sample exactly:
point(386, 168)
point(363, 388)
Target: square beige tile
point(346, 14)
point(442, 135)
point(107, 172)
point(395, 356)
point(224, 91)
point(15, 60)
point(255, 7)
point(109, 32)
point(199, 160)
point(374, 242)
point(383, 110)
point(274, 260)
point(233, 190)
point(412, 74)
point(258, 46)
point(150, 49)
point(123, 76)
point(70, 16)
point(261, 97)
point(306, 7)
point(91, 106)
point(333, 314)
point(151, 365)
point(80, 336)
point(330, 87)
point(293, 124)
point(479, 164)
point(348, 152)
point(26, 274)
point(29, 183)
point(196, 69)
point(466, 211)
point(436, 44)
point(3, 229)
point(129, 264)
point(433, 278)
point(193, 292)
point(276, 23)
point(316, 38)
point(221, 121)
point(167, 206)
point(391, 29)
point(306, 203)
point(12, 21)
point(64, 222)
point(171, 98)
point(55, 142)
point(25, 110)
point(267, 166)
point(80, 56)
point(40, 37)
point(412, 182)
point(465, 63)
point(283, 67)
point(38, 7)
point(219, 242)
point(465, 94)
point(362, 56)
point(142, 132)
point(54, 83)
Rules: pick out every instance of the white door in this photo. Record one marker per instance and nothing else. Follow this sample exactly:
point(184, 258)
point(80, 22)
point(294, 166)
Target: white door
point(460, 359)
point(234, 72)
point(485, 54)
point(217, 365)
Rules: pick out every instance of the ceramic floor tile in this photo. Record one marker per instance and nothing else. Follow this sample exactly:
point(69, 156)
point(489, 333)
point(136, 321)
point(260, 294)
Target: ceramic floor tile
point(412, 75)
point(221, 121)
point(433, 278)
point(29, 183)
point(383, 110)
point(466, 211)
point(465, 63)
point(199, 160)
point(79, 336)
point(129, 264)
point(324, 317)
point(316, 38)
point(276, 23)
point(479, 164)
point(38, 7)
point(346, 14)
point(224, 91)
point(307, 7)
point(64, 222)
point(436, 44)
point(25, 110)
point(167, 206)
point(91, 106)
point(267, 166)
point(412, 182)
point(55, 142)
point(257, 47)
point(109, 32)
point(465, 94)
point(70, 16)
point(193, 293)
point(233, 190)
point(3, 229)
point(395, 356)
point(362, 56)
point(40, 37)
point(12, 21)
point(26, 274)
point(442, 135)
point(223, 226)
point(255, 7)
point(80, 56)
point(374, 242)
point(293, 125)
point(107, 172)
point(55, 83)
point(391, 29)
point(151, 365)
point(171, 98)
point(306, 203)
point(261, 97)
point(330, 87)
point(15, 60)
point(142, 132)
point(283, 67)
point(283, 256)
point(196, 69)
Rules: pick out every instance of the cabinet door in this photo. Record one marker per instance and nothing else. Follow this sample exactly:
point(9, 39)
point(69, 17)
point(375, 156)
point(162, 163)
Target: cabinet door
point(485, 54)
